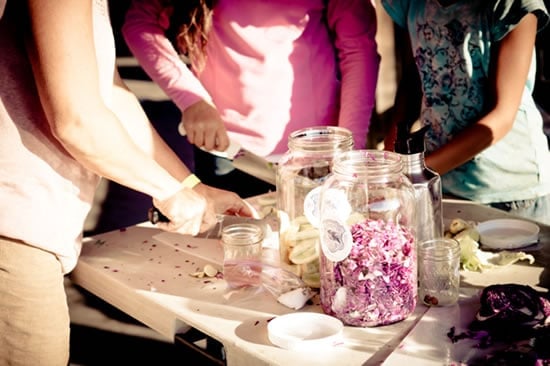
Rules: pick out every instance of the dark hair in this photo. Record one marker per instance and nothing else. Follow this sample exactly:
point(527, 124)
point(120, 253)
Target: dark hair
point(190, 23)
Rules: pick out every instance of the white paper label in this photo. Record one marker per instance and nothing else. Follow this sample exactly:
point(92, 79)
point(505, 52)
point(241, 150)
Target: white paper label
point(335, 205)
point(336, 240)
point(311, 206)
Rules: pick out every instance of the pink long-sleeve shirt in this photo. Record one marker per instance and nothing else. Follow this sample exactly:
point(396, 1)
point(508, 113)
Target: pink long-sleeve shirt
point(272, 67)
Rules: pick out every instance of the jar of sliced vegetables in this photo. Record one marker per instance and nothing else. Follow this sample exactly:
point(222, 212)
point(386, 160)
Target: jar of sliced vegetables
point(300, 174)
point(368, 259)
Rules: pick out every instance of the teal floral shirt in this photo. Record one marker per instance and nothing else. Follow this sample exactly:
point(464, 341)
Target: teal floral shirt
point(452, 48)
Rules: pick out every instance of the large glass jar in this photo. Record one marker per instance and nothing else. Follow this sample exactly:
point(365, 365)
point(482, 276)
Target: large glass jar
point(368, 259)
point(301, 172)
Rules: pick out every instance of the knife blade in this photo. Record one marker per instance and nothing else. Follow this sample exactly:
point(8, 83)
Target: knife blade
point(244, 160)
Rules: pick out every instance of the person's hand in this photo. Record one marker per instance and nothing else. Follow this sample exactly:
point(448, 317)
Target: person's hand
point(204, 127)
point(187, 211)
point(191, 211)
point(221, 201)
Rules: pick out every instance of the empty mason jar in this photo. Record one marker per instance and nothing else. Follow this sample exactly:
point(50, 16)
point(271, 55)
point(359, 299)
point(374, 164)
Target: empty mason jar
point(368, 263)
point(242, 254)
point(438, 271)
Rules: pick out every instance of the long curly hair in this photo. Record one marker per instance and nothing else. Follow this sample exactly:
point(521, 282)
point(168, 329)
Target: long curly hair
point(190, 23)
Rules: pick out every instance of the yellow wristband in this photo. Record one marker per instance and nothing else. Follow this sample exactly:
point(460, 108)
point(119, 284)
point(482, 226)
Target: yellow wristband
point(190, 182)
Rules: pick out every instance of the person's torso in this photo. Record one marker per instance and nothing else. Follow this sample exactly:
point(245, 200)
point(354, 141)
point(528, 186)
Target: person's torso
point(284, 45)
point(46, 194)
point(453, 56)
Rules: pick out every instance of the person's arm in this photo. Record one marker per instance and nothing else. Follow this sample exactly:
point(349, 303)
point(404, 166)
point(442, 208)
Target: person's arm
point(511, 68)
point(144, 32)
point(353, 23)
point(408, 96)
point(68, 82)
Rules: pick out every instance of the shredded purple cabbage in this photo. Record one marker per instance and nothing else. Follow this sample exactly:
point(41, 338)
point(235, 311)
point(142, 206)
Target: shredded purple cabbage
point(513, 323)
point(505, 305)
point(377, 283)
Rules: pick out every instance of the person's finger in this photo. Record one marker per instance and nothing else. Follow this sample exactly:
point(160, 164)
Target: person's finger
point(221, 140)
point(209, 220)
point(210, 140)
point(198, 137)
point(194, 132)
point(249, 210)
point(242, 208)
point(190, 227)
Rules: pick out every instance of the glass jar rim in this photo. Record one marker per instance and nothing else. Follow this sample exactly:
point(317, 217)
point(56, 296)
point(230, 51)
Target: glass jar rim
point(321, 138)
point(368, 162)
point(242, 234)
point(439, 249)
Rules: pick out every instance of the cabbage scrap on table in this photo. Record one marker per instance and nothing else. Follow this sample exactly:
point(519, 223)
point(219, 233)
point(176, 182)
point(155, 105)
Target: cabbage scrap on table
point(472, 258)
point(512, 323)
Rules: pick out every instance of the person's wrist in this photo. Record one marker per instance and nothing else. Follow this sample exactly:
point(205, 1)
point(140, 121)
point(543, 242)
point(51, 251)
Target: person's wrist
point(190, 181)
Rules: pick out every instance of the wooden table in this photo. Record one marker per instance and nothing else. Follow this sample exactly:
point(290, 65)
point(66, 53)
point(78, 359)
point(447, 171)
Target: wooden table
point(146, 273)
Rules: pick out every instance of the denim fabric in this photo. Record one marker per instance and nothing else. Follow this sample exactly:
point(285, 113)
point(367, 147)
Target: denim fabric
point(537, 209)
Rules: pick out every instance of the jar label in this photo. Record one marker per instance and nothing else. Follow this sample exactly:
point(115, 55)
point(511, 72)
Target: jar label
point(335, 204)
point(336, 240)
point(312, 205)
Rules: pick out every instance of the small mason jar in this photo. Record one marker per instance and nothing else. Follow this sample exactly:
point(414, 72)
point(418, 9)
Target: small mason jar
point(438, 272)
point(368, 261)
point(242, 254)
point(301, 171)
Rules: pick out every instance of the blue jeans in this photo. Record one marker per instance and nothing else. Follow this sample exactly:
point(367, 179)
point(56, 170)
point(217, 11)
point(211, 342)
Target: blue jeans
point(537, 209)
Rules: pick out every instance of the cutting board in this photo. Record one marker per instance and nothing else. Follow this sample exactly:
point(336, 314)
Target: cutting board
point(209, 250)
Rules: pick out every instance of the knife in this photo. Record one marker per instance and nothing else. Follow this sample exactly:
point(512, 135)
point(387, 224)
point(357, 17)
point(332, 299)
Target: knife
point(244, 160)
point(155, 216)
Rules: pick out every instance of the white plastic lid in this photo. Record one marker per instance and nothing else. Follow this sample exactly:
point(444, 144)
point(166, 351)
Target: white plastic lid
point(507, 233)
point(305, 330)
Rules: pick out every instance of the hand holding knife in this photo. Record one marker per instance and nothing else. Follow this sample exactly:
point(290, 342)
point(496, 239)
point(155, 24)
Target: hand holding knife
point(244, 160)
point(155, 216)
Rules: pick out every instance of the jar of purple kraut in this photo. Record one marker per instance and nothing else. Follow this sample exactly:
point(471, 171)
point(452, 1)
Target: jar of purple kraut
point(368, 265)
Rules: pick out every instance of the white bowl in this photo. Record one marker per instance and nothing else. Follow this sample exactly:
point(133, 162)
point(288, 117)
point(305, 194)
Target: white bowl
point(507, 233)
point(305, 331)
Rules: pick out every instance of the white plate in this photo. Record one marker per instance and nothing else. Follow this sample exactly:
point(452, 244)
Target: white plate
point(507, 233)
point(305, 331)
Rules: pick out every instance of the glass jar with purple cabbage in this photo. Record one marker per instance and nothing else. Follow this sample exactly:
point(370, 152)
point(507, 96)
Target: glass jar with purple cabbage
point(368, 264)
point(300, 175)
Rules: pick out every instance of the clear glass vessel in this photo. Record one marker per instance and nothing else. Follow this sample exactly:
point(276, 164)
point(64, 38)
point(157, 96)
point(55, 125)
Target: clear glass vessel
point(439, 272)
point(301, 172)
point(368, 265)
point(242, 254)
